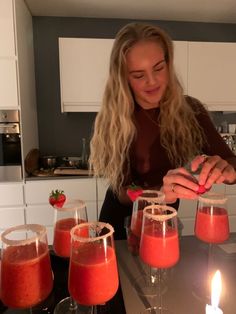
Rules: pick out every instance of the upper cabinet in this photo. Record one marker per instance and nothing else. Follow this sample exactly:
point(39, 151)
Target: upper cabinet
point(84, 66)
point(206, 70)
point(7, 40)
point(212, 74)
point(180, 62)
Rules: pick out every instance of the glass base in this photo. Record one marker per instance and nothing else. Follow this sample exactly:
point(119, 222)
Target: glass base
point(201, 292)
point(148, 286)
point(156, 310)
point(68, 306)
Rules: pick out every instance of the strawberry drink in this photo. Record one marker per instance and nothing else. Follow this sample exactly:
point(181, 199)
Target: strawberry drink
point(159, 250)
point(136, 225)
point(87, 272)
point(26, 276)
point(62, 238)
point(93, 275)
point(212, 227)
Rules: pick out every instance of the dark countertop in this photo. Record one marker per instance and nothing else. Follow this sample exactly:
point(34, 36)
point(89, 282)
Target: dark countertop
point(182, 280)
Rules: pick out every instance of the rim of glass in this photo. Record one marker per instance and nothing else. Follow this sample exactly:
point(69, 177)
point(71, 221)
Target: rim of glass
point(159, 217)
point(213, 198)
point(36, 228)
point(160, 196)
point(97, 224)
point(71, 205)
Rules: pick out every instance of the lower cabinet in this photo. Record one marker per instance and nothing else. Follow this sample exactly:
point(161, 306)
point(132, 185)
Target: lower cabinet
point(11, 205)
point(38, 209)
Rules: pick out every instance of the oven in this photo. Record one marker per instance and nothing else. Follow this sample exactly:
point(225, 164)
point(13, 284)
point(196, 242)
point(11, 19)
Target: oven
point(10, 141)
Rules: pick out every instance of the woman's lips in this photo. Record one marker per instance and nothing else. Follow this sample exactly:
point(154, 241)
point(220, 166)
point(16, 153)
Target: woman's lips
point(152, 91)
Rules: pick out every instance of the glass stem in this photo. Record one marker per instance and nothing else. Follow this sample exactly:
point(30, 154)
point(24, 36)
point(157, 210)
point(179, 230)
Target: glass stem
point(159, 290)
point(73, 304)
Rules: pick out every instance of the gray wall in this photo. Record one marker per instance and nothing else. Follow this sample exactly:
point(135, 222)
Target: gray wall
point(60, 134)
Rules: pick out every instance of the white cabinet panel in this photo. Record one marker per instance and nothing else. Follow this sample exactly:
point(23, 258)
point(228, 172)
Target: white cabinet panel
point(37, 192)
point(11, 217)
point(11, 195)
point(84, 64)
point(212, 74)
point(181, 62)
point(8, 84)
point(7, 43)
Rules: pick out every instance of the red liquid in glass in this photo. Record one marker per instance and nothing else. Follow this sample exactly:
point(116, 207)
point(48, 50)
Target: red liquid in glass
point(62, 238)
point(93, 277)
point(136, 224)
point(26, 280)
point(212, 228)
point(157, 250)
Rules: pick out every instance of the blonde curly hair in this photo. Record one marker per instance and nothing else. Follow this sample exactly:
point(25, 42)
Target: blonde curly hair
point(114, 128)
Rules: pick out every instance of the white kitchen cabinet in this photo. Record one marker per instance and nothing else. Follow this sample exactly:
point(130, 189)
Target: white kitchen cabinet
point(7, 40)
point(212, 74)
point(84, 66)
point(38, 209)
point(8, 84)
point(181, 62)
point(11, 205)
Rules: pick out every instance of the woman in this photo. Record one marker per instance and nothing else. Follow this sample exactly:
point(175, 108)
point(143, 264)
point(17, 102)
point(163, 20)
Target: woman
point(147, 130)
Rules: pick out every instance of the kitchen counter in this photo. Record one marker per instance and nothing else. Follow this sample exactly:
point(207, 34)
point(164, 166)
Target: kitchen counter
point(182, 279)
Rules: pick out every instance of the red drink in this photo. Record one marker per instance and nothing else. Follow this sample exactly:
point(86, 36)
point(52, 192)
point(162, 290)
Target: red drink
point(158, 250)
point(26, 279)
point(93, 277)
point(212, 228)
point(136, 223)
point(62, 237)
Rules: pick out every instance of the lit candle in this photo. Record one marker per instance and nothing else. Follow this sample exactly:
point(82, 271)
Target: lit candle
point(216, 287)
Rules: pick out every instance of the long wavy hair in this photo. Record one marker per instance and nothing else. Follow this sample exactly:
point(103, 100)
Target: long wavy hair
point(114, 128)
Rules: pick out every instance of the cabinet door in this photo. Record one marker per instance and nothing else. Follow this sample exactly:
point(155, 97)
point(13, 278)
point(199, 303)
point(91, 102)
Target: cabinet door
point(7, 40)
point(181, 62)
point(8, 84)
point(212, 74)
point(84, 66)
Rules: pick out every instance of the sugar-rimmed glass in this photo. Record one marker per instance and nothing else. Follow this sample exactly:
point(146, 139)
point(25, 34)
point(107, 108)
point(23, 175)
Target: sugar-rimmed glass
point(26, 274)
point(159, 245)
point(93, 274)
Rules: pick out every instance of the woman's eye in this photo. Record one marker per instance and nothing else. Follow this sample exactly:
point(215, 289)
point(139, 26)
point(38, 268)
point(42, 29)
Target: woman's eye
point(138, 76)
point(159, 68)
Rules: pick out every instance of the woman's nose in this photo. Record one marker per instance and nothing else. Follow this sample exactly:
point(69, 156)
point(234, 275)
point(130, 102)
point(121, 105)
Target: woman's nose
point(151, 79)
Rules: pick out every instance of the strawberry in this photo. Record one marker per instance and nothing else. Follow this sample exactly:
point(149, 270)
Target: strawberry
point(134, 191)
point(57, 198)
point(202, 189)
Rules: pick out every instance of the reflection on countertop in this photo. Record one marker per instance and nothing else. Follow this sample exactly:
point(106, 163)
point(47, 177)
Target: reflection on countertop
point(11, 174)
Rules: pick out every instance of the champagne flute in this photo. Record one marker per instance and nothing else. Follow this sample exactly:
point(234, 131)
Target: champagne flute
point(159, 245)
point(211, 227)
point(93, 275)
point(72, 213)
point(26, 274)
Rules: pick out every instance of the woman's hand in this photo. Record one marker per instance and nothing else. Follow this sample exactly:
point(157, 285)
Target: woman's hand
point(214, 169)
point(179, 183)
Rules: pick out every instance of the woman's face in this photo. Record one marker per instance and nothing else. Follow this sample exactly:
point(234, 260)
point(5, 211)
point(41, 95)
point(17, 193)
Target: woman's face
point(147, 73)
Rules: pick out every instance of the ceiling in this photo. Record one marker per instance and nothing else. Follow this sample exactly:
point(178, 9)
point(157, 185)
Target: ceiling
point(216, 11)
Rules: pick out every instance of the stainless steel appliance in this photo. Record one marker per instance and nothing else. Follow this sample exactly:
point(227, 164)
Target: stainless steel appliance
point(10, 143)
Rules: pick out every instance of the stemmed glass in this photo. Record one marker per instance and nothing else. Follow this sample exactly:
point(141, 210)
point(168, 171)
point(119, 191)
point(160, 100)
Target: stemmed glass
point(159, 245)
point(212, 227)
point(26, 274)
point(72, 213)
point(93, 275)
point(148, 282)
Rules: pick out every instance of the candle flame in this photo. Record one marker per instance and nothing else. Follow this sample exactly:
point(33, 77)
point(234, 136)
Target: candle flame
point(216, 287)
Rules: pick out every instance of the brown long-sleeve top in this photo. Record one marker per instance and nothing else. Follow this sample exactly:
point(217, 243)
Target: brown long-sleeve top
point(149, 160)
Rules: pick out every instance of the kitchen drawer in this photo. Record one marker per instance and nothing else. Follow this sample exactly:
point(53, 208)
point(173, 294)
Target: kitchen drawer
point(11, 195)
point(37, 192)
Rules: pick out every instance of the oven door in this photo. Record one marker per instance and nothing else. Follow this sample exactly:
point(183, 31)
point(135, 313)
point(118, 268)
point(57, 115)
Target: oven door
point(10, 149)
